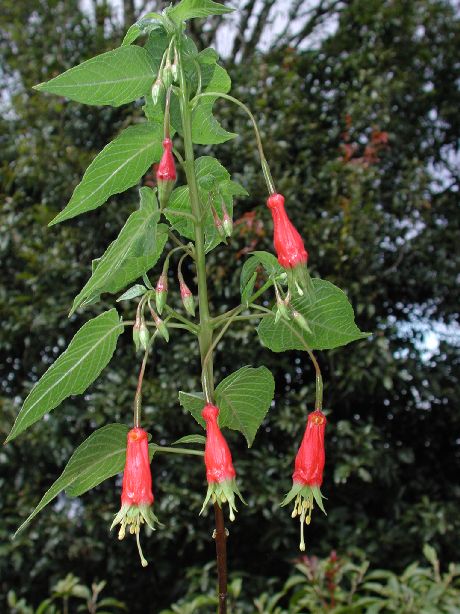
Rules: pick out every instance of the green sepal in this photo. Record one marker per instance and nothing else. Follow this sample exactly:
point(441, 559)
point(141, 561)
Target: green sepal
point(295, 490)
point(223, 492)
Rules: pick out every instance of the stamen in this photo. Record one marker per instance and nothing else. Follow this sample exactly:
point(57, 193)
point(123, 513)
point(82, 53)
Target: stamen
point(144, 562)
point(232, 515)
point(302, 542)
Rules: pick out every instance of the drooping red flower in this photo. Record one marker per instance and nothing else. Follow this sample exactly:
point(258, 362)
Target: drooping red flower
point(310, 459)
point(308, 472)
point(220, 472)
point(289, 247)
point(287, 241)
point(137, 496)
point(166, 173)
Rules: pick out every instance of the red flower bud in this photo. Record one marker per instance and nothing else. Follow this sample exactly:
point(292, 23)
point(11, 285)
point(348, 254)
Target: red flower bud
point(166, 173)
point(220, 472)
point(187, 298)
point(287, 241)
point(137, 495)
point(227, 222)
point(308, 472)
point(161, 291)
point(218, 223)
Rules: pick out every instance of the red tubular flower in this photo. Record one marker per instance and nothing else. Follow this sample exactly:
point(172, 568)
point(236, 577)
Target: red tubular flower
point(289, 246)
point(166, 173)
point(137, 495)
point(308, 472)
point(220, 472)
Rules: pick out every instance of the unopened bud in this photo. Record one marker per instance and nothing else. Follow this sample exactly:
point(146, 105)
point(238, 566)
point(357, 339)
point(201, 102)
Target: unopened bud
point(227, 222)
point(175, 66)
point(218, 223)
point(187, 298)
point(136, 334)
point(281, 311)
point(156, 90)
point(161, 326)
point(301, 321)
point(161, 292)
point(144, 336)
point(167, 75)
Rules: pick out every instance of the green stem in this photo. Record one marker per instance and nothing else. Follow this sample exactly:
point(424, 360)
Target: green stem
point(265, 168)
point(205, 334)
point(206, 329)
point(193, 328)
point(319, 378)
point(189, 216)
point(218, 320)
point(169, 450)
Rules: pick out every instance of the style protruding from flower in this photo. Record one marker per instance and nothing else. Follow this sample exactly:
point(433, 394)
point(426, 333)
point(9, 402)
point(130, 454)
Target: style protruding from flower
point(220, 472)
point(289, 247)
point(308, 472)
point(166, 173)
point(137, 496)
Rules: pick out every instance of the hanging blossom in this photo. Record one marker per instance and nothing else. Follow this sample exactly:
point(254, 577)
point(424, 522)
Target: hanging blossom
point(137, 496)
point(289, 247)
point(166, 173)
point(308, 472)
point(220, 472)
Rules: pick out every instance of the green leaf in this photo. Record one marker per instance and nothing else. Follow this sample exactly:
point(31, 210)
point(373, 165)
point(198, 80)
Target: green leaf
point(131, 35)
point(249, 275)
point(206, 130)
point(144, 25)
point(330, 318)
point(190, 9)
point(200, 439)
point(211, 177)
point(148, 200)
point(112, 78)
point(116, 168)
point(98, 458)
point(88, 353)
point(123, 255)
point(133, 292)
point(244, 398)
point(194, 403)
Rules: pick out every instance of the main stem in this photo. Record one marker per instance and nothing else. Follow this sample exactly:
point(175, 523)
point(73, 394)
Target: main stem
point(205, 334)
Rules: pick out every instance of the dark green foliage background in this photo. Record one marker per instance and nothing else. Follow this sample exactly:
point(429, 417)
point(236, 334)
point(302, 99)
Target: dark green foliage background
point(382, 231)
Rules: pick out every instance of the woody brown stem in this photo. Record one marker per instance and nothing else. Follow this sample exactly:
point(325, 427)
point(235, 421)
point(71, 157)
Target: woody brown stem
point(221, 554)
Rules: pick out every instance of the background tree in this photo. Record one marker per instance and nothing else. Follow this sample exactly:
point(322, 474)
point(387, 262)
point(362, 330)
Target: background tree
point(362, 130)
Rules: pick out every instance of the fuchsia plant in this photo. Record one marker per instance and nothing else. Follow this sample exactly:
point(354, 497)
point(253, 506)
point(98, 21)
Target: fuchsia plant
point(179, 86)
